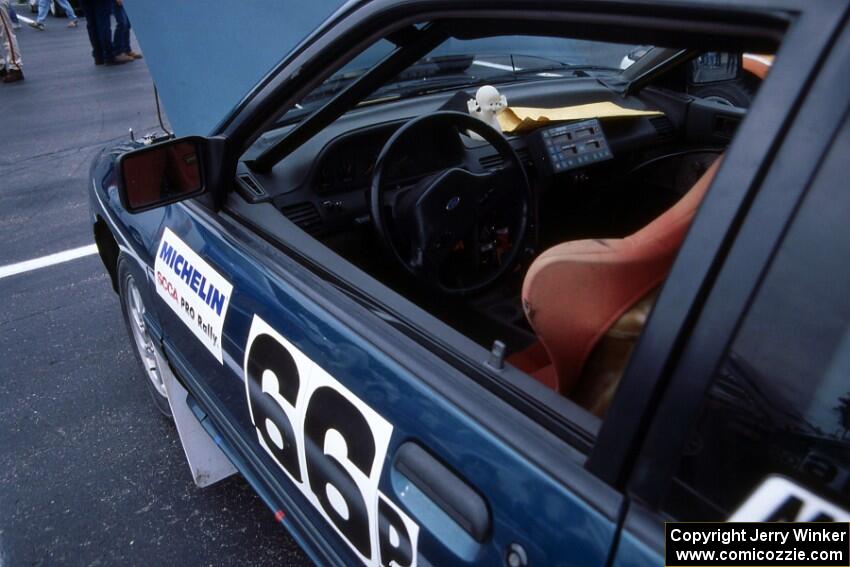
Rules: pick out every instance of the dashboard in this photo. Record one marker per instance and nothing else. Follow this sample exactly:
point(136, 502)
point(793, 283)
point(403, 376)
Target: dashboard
point(348, 163)
point(323, 186)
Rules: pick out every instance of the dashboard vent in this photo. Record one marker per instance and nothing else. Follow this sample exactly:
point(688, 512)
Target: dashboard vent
point(491, 162)
point(664, 129)
point(305, 215)
point(252, 185)
point(523, 155)
point(494, 161)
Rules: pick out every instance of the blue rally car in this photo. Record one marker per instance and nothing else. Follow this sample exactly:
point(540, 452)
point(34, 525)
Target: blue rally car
point(434, 324)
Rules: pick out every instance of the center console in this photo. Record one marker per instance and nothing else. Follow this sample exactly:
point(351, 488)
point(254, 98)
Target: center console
point(559, 148)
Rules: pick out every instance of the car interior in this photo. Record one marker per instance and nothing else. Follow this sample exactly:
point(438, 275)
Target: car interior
point(546, 243)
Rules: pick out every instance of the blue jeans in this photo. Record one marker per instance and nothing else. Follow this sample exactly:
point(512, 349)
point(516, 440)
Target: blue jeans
point(13, 15)
point(44, 6)
point(121, 36)
point(99, 26)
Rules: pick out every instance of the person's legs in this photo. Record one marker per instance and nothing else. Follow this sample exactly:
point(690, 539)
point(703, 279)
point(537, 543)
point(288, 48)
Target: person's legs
point(103, 21)
point(69, 12)
point(11, 54)
point(13, 15)
point(91, 28)
point(97, 25)
point(121, 37)
point(43, 8)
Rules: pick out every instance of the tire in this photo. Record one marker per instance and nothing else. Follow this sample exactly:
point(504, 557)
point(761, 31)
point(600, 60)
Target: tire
point(133, 309)
point(738, 93)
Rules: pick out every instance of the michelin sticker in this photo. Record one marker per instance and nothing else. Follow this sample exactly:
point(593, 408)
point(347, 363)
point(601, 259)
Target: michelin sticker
point(193, 290)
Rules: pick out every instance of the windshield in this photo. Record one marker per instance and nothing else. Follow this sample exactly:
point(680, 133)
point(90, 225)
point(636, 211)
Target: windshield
point(462, 63)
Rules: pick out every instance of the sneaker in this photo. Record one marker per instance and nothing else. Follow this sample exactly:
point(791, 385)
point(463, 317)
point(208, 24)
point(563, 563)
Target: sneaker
point(120, 59)
point(36, 25)
point(134, 54)
point(13, 75)
point(72, 24)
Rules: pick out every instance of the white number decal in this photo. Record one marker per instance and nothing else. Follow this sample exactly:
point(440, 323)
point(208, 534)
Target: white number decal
point(778, 499)
point(330, 444)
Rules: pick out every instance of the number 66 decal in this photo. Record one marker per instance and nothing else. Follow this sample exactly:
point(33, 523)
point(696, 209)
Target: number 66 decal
point(329, 443)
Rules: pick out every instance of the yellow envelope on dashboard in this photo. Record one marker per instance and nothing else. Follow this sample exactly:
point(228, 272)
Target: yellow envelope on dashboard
point(520, 118)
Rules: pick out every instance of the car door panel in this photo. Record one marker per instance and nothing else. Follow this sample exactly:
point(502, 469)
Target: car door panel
point(329, 413)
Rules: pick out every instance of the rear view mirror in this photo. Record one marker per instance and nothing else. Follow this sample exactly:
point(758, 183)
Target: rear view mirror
point(715, 67)
point(160, 174)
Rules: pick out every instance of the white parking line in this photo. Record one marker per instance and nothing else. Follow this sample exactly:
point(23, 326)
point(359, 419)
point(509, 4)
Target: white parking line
point(45, 261)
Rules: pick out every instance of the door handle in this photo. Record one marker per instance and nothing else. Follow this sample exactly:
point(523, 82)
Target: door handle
point(460, 501)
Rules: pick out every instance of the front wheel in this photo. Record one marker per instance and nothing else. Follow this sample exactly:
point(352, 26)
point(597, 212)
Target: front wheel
point(133, 307)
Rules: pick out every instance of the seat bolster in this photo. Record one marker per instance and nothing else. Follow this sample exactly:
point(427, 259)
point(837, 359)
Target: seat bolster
point(600, 280)
point(758, 65)
point(575, 291)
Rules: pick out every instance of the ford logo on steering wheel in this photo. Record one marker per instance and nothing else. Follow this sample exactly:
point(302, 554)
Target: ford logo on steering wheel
point(453, 203)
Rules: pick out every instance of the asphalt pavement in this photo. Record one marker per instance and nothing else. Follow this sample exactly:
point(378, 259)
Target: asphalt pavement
point(90, 473)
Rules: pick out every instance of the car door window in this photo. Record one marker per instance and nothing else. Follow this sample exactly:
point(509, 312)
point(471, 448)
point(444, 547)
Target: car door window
point(779, 402)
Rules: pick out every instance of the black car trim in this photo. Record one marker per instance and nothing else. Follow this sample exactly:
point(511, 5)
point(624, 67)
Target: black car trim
point(796, 164)
point(714, 228)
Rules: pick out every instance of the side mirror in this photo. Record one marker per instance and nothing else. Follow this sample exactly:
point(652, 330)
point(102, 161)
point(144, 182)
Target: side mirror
point(715, 67)
point(162, 173)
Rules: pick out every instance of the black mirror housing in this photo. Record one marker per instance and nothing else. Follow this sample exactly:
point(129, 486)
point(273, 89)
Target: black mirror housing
point(165, 173)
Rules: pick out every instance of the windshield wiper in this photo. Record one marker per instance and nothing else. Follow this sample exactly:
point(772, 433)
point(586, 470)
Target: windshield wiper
point(550, 70)
point(431, 70)
point(433, 84)
point(433, 75)
point(421, 87)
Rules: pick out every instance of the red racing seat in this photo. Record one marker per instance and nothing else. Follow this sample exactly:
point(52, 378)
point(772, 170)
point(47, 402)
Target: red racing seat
point(575, 292)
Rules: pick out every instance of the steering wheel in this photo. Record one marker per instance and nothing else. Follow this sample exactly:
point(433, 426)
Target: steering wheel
point(457, 230)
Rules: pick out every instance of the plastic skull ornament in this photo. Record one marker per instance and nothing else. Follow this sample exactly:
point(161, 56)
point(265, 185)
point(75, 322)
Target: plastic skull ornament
point(487, 104)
